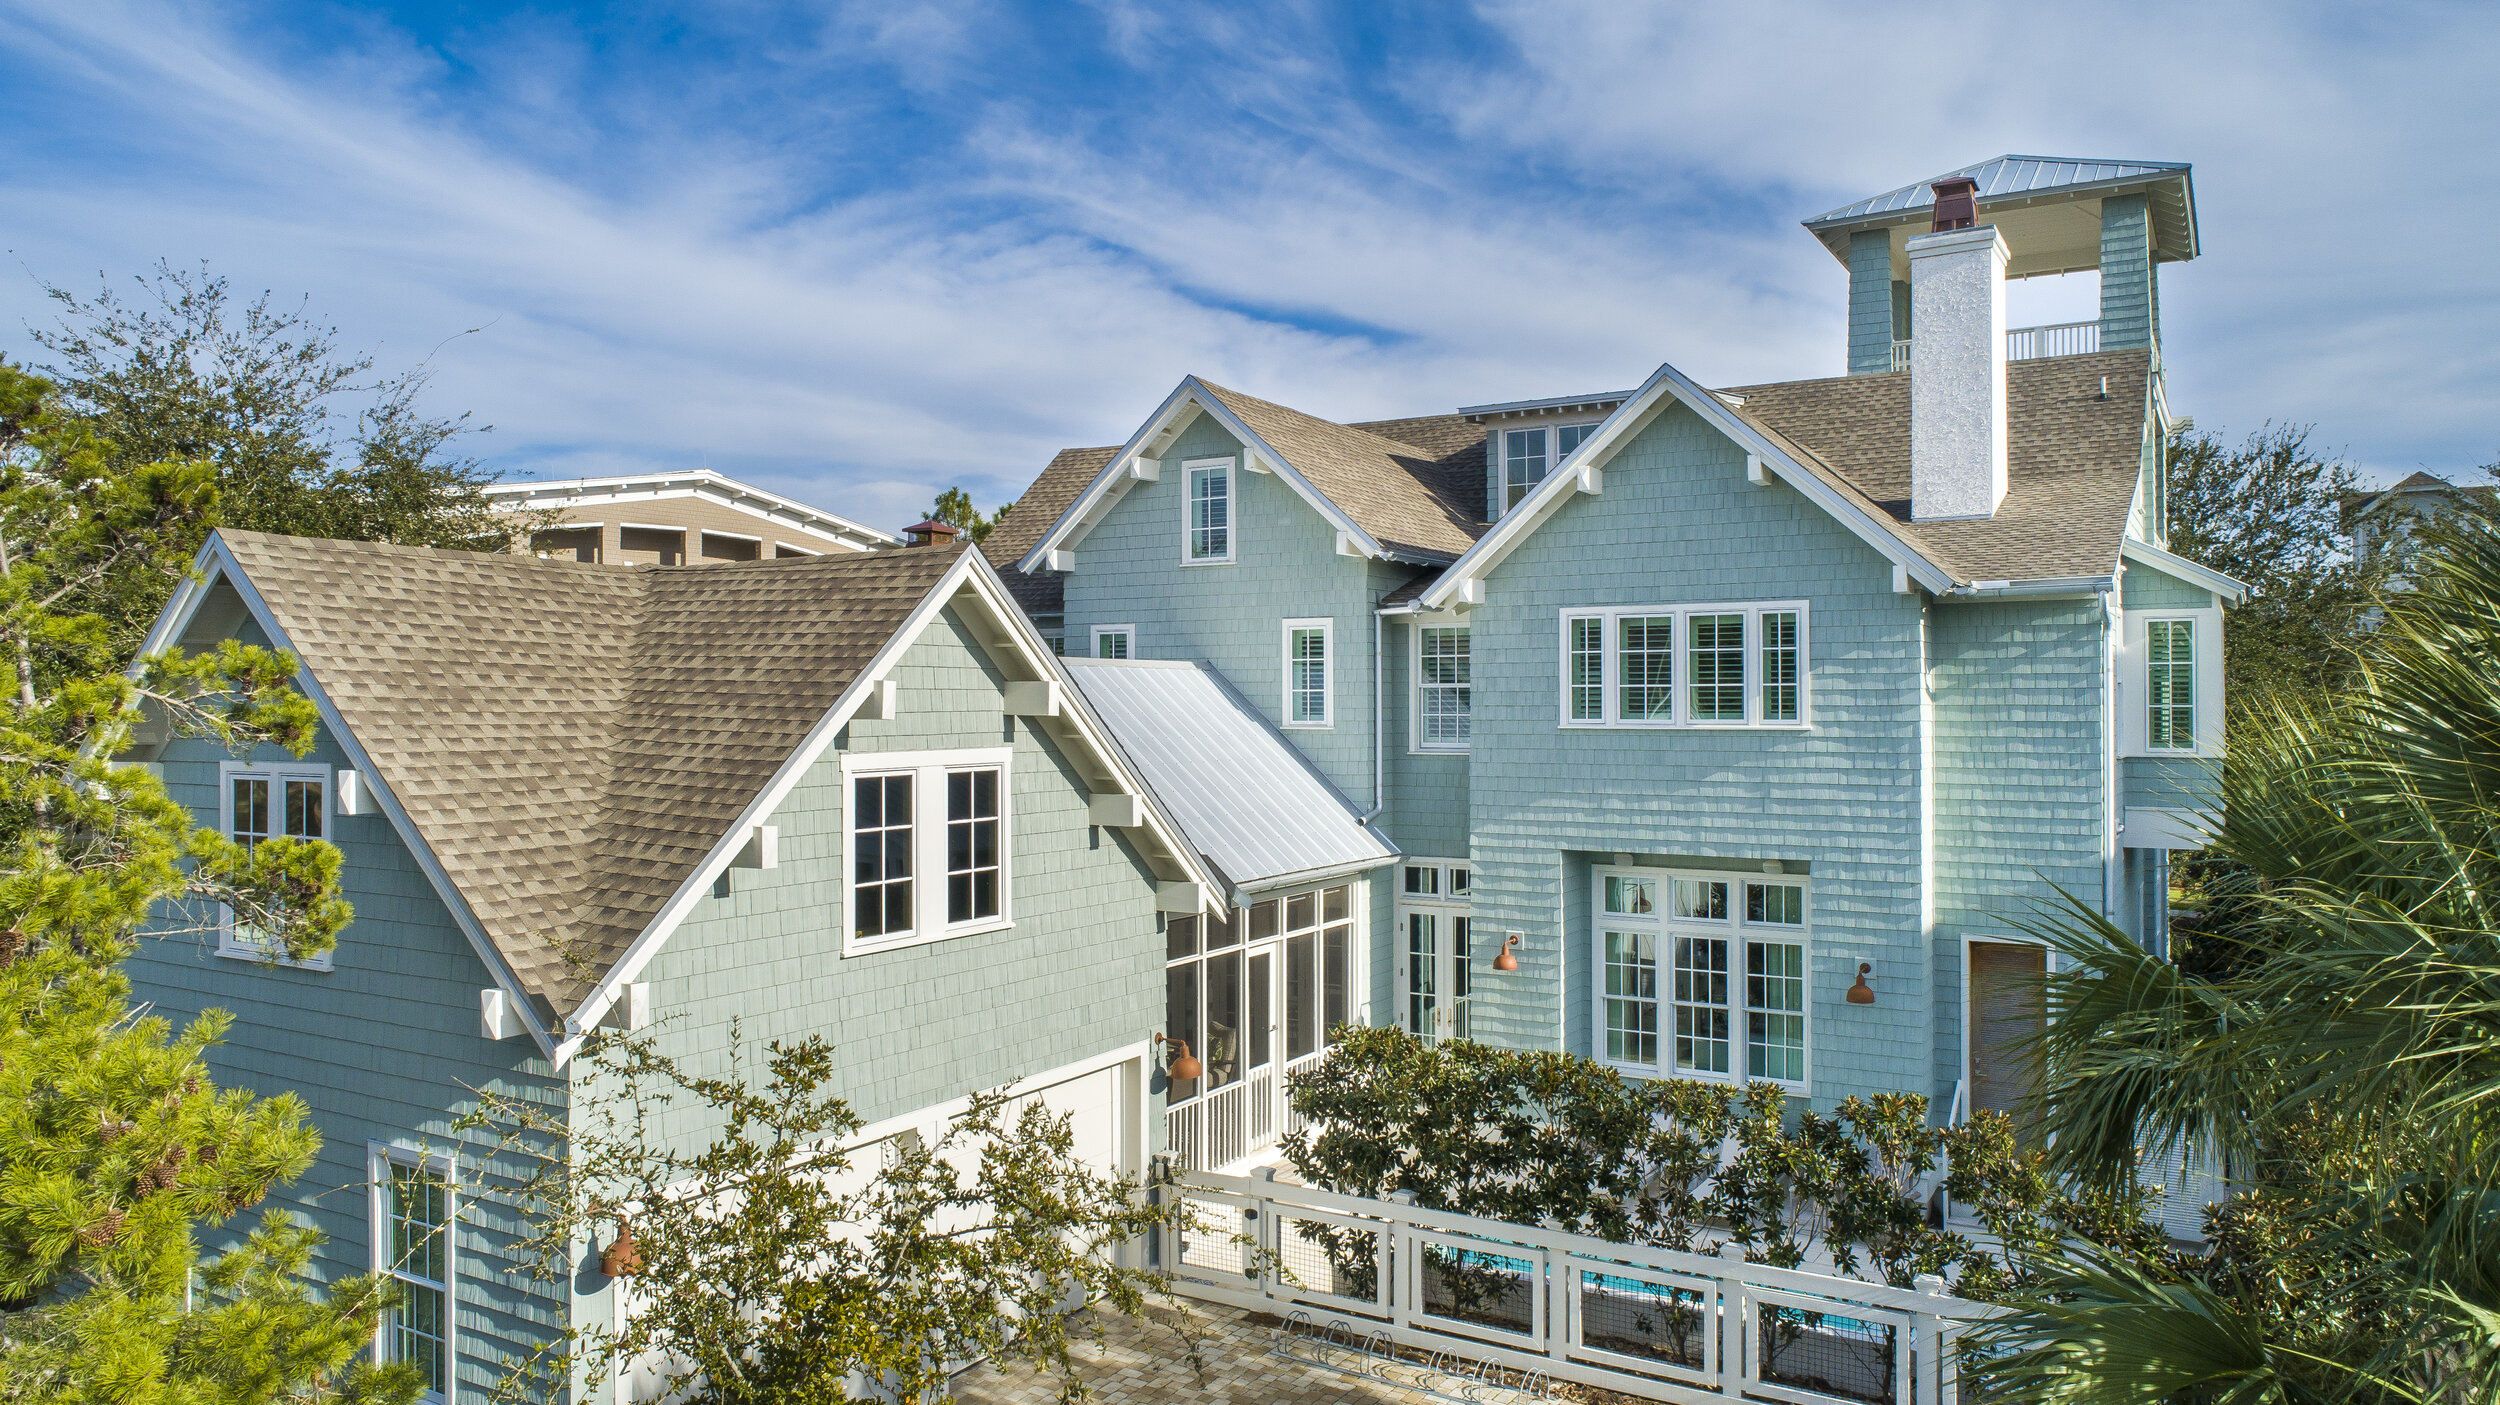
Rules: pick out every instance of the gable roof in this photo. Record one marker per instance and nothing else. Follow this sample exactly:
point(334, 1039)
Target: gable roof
point(2074, 465)
point(575, 746)
point(1301, 829)
point(1388, 499)
point(1040, 591)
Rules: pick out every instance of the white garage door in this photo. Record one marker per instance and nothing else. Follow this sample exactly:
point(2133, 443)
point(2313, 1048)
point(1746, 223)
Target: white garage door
point(1092, 1103)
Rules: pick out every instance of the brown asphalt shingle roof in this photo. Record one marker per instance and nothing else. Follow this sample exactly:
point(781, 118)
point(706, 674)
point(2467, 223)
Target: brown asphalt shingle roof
point(1040, 592)
point(2073, 459)
point(570, 740)
point(1404, 494)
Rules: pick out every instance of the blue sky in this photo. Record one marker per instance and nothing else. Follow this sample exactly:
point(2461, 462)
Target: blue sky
point(857, 252)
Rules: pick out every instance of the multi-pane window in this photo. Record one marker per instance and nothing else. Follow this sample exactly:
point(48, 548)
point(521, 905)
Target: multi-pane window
point(1779, 666)
point(1442, 685)
point(1730, 1002)
point(1718, 667)
point(929, 842)
point(1529, 454)
point(2170, 683)
point(881, 855)
point(1111, 641)
point(1585, 643)
point(1211, 511)
point(1218, 994)
point(971, 844)
point(1743, 666)
point(1645, 657)
point(1306, 673)
point(264, 803)
point(416, 1221)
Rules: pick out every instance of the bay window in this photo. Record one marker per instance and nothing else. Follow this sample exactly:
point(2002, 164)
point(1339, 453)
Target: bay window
point(1702, 975)
point(1740, 665)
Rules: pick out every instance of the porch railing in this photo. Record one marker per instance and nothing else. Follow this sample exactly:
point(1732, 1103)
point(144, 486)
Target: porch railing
point(1648, 1322)
point(2030, 343)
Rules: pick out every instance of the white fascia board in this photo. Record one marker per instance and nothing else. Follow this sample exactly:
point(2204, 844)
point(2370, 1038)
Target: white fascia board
point(170, 626)
point(701, 482)
point(1666, 384)
point(970, 571)
point(1080, 517)
point(2232, 591)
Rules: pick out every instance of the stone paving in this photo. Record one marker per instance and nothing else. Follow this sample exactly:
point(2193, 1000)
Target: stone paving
point(1148, 1365)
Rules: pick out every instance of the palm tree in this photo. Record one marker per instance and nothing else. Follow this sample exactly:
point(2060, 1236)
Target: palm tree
point(2346, 1070)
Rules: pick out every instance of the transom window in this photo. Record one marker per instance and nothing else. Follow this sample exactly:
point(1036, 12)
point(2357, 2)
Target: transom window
point(1740, 666)
point(1306, 672)
point(1529, 454)
point(1435, 878)
point(929, 841)
point(2170, 684)
point(1443, 687)
point(1702, 975)
point(1210, 509)
point(413, 1234)
point(262, 802)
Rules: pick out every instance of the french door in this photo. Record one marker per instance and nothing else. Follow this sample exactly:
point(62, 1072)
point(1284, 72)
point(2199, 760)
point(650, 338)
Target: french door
point(1433, 984)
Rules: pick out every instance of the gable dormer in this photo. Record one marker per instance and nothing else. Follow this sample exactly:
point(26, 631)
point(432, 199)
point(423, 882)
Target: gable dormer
point(1525, 440)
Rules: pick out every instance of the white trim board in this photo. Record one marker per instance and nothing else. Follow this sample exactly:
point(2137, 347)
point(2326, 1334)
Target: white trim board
point(2231, 590)
point(718, 489)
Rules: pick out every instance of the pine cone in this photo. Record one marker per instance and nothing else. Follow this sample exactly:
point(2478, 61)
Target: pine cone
point(12, 942)
point(104, 1231)
point(210, 1153)
point(110, 1130)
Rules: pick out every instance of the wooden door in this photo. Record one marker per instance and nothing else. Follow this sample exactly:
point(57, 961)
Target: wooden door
point(2005, 1024)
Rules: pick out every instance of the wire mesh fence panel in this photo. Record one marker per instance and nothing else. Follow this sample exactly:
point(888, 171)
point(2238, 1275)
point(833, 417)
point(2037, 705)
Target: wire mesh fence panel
point(1824, 1352)
point(1213, 1245)
point(1478, 1286)
point(1661, 1323)
point(1329, 1258)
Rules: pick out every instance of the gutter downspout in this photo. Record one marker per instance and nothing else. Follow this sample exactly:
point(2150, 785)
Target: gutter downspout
point(1380, 798)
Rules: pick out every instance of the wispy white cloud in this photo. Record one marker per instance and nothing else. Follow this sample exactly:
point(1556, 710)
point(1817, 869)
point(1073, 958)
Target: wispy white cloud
point(751, 263)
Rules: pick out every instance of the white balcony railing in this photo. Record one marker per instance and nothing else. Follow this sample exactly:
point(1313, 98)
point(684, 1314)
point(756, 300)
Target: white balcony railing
point(2031, 343)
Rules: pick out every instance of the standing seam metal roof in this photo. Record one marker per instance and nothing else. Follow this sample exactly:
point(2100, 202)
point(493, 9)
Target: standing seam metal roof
point(2002, 176)
point(1244, 796)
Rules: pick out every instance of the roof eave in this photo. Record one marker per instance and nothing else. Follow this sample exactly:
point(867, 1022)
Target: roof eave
point(2230, 588)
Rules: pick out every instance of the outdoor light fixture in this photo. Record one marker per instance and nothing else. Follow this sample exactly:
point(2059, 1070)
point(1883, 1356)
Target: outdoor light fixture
point(621, 1259)
point(1506, 961)
point(1860, 994)
point(1186, 1068)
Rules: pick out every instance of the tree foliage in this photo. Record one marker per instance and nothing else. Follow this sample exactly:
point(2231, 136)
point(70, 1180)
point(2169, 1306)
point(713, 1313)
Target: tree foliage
point(778, 1263)
point(2350, 1080)
point(114, 1143)
point(954, 507)
point(1543, 1137)
point(300, 437)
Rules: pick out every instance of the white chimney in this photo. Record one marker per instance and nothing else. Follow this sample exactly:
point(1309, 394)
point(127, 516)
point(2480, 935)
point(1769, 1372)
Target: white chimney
point(1957, 373)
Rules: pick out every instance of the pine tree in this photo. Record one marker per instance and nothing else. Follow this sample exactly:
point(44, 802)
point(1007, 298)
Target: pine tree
point(115, 1145)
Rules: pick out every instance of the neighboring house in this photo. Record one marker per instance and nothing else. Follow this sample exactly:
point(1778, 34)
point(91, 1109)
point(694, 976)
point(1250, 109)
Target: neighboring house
point(1751, 723)
point(2384, 521)
point(678, 519)
point(576, 795)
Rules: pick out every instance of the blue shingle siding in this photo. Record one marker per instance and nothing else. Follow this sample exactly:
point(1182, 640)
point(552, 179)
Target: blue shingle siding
point(1286, 566)
point(2020, 801)
point(1844, 798)
point(2130, 307)
point(2169, 783)
point(2145, 588)
point(1874, 306)
point(1079, 974)
point(384, 1047)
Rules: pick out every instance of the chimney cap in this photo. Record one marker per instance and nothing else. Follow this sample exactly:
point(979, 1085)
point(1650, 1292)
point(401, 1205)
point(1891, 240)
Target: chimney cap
point(931, 530)
point(1957, 203)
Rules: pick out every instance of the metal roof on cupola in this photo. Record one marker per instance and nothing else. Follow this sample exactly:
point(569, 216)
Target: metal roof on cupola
point(2047, 207)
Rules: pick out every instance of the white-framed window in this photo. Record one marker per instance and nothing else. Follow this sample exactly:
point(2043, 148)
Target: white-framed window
point(1226, 982)
point(1444, 687)
point(1529, 454)
point(1207, 512)
point(1435, 951)
point(1737, 665)
point(269, 800)
point(412, 1216)
point(1115, 641)
point(1435, 878)
point(929, 839)
point(1307, 683)
point(2170, 685)
point(1702, 975)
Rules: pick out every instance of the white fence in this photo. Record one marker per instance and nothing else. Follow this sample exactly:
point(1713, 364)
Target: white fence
point(1647, 1322)
point(2029, 343)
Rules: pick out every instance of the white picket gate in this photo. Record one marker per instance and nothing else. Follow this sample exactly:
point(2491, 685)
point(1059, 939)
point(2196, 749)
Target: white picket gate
point(1670, 1326)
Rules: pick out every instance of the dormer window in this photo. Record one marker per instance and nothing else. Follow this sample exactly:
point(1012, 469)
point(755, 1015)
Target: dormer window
point(1208, 529)
point(1529, 454)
